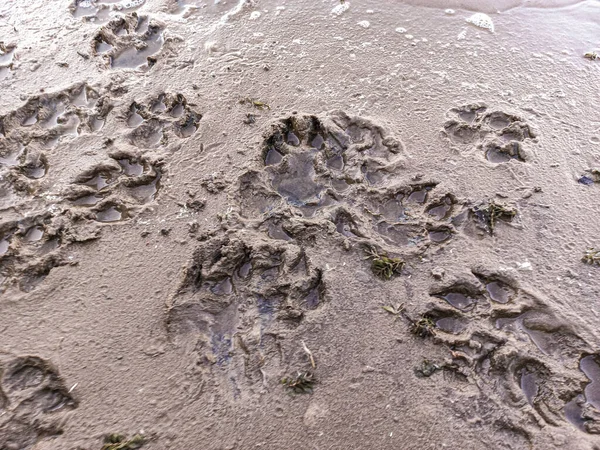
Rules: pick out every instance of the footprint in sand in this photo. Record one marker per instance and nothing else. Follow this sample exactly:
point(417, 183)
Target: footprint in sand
point(129, 42)
point(499, 136)
point(33, 401)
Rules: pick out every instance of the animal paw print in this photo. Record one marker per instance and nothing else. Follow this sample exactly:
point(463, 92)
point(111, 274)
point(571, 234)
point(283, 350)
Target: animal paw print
point(33, 401)
point(47, 119)
point(168, 113)
point(484, 217)
point(113, 191)
point(244, 287)
point(521, 355)
point(32, 246)
point(100, 11)
point(414, 215)
point(30, 132)
point(129, 42)
point(339, 172)
point(306, 155)
point(499, 135)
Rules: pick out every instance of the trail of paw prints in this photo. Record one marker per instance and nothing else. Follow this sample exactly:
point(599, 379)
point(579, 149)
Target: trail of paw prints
point(499, 136)
point(154, 121)
point(129, 42)
point(30, 132)
point(239, 292)
point(34, 401)
point(529, 364)
point(101, 11)
point(113, 191)
point(47, 119)
point(35, 225)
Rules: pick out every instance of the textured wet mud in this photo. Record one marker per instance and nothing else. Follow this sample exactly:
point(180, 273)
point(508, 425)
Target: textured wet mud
point(228, 225)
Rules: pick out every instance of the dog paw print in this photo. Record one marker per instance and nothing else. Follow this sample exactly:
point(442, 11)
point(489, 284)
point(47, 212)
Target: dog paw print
point(521, 355)
point(47, 119)
point(500, 136)
point(33, 401)
point(115, 190)
point(239, 291)
point(129, 42)
point(166, 114)
point(306, 155)
point(339, 172)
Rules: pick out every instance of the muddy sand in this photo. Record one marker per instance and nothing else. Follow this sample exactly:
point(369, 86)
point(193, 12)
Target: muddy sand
point(299, 224)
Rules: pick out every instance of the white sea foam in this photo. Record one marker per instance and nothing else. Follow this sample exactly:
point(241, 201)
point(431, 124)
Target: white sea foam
point(482, 21)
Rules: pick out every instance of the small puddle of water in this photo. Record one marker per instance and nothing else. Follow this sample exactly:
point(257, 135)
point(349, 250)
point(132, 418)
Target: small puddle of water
point(451, 325)
point(188, 128)
point(440, 212)
point(497, 155)
point(344, 226)
point(103, 47)
point(31, 120)
point(6, 58)
point(97, 123)
point(276, 231)
point(52, 121)
point(439, 236)
point(82, 100)
point(11, 160)
point(35, 172)
point(84, 8)
point(111, 214)
point(574, 412)
point(4, 72)
point(34, 234)
point(317, 142)
point(159, 105)
point(336, 162)
point(147, 192)
point(131, 167)
point(393, 210)
point(4, 244)
point(88, 200)
point(245, 270)
point(292, 139)
point(459, 300)
point(177, 110)
point(419, 196)
point(134, 118)
point(499, 292)
point(100, 180)
point(339, 185)
point(590, 367)
point(273, 157)
point(313, 298)
point(223, 287)
point(297, 185)
point(529, 386)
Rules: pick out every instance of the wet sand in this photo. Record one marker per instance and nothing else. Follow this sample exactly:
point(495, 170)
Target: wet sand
point(276, 224)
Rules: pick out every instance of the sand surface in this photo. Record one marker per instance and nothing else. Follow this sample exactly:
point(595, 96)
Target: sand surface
point(200, 199)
